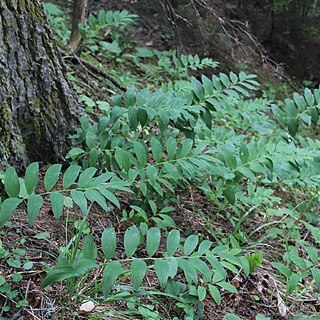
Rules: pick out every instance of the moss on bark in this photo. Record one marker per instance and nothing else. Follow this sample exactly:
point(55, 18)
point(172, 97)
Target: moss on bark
point(38, 107)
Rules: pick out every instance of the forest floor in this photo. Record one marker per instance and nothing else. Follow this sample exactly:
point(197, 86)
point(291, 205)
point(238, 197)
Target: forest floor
point(262, 293)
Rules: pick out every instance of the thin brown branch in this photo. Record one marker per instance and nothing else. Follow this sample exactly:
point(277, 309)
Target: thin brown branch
point(98, 71)
point(78, 16)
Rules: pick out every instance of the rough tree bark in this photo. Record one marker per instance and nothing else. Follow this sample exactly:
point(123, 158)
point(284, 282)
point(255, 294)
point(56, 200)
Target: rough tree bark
point(37, 104)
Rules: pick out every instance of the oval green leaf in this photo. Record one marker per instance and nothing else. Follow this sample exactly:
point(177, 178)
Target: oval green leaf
point(31, 177)
point(108, 242)
point(11, 182)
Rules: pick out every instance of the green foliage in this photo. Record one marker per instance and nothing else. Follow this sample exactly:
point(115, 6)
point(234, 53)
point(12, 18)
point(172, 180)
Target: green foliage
point(254, 163)
point(122, 140)
point(57, 20)
point(301, 109)
point(83, 188)
point(106, 24)
point(15, 258)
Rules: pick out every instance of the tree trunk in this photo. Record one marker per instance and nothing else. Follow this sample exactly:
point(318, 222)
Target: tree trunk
point(37, 104)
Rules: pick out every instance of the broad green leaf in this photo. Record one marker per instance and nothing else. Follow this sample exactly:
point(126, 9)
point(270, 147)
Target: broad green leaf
point(316, 276)
point(58, 274)
point(144, 52)
point(89, 248)
point(172, 171)
point(31, 177)
point(206, 116)
point(90, 139)
point(102, 17)
point(224, 79)
point(216, 82)
point(190, 244)
point(173, 266)
point(142, 116)
point(186, 148)
point(156, 149)
point(189, 270)
point(229, 159)
point(231, 316)
point(230, 266)
point(171, 148)
point(133, 117)
point(80, 200)
point(130, 97)
point(228, 286)
point(144, 189)
point(84, 121)
point(111, 47)
point(241, 90)
point(152, 173)
point(229, 194)
point(293, 125)
point(309, 97)
point(245, 265)
point(131, 240)
point(132, 175)
point(108, 242)
point(184, 60)
point(33, 207)
point(215, 294)
point(52, 176)
point(305, 118)
point(162, 270)
point(202, 267)
point(204, 246)
point(103, 178)
point(244, 153)
point(86, 177)
point(314, 115)
point(153, 241)
point(242, 76)
point(188, 169)
point(300, 102)
point(109, 196)
point(95, 196)
point(233, 77)
point(110, 274)
point(23, 191)
point(202, 292)
point(11, 182)
point(140, 152)
point(197, 88)
point(153, 206)
point(293, 282)
point(217, 266)
point(282, 269)
point(82, 266)
point(117, 100)
point(118, 185)
point(207, 85)
point(70, 176)
point(138, 268)
point(122, 158)
point(57, 203)
point(7, 207)
point(173, 241)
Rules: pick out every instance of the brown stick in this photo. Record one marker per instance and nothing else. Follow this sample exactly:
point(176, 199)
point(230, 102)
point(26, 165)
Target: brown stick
point(78, 16)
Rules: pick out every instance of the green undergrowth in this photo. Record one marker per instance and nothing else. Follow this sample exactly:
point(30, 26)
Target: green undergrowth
point(254, 164)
